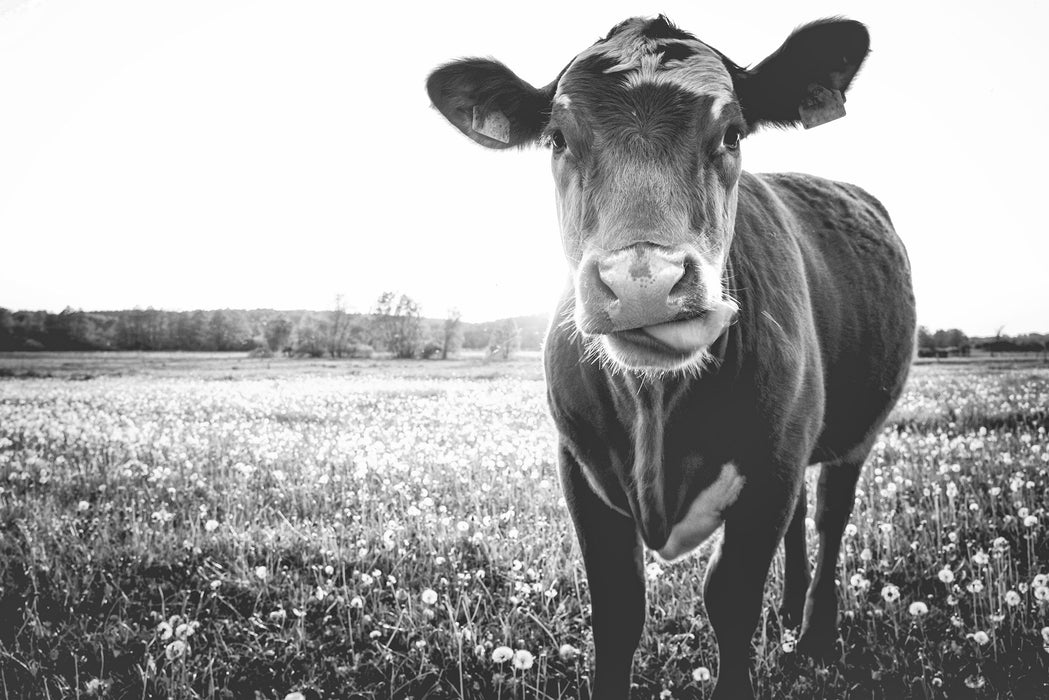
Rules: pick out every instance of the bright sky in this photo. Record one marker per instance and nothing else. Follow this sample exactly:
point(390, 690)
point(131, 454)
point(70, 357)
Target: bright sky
point(233, 153)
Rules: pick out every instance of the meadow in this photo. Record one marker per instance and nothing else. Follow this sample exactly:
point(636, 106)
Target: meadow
point(216, 527)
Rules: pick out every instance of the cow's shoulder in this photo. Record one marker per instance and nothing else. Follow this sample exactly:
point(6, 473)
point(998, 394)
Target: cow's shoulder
point(824, 205)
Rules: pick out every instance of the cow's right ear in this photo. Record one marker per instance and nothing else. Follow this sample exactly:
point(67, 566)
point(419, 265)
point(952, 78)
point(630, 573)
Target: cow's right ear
point(487, 102)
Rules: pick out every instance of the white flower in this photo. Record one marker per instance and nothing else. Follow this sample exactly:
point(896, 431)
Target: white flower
point(176, 650)
point(981, 558)
point(295, 696)
point(523, 659)
point(82, 507)
point(1012, 599)
point(1030, 521)
point(946, 575)
point(165, 630)
point(567, 652)
point(429, 596)
point(850, 530)
point(502, 654)
point(211, 525)
point(890, 593)
point(357, 602)
point(653, 571)
point(974, 586)
point(918, 608)
point(1045, 634)
point(701, 674)
point(1041, 593)
point(261, 572)
point(980, 637)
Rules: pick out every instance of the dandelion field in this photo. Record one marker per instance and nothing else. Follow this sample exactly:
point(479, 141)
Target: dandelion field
point(385, 530)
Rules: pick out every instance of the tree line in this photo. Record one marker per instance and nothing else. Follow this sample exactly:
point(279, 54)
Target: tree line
point(952, 341)
point(395, 325)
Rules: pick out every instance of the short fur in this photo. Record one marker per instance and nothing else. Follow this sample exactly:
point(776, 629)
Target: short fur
point(640, 133)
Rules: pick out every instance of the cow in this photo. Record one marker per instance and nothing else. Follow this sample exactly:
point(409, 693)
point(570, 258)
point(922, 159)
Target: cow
point(723, 330)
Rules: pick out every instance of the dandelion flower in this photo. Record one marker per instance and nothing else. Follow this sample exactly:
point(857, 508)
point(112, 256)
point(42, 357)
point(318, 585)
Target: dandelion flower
point(1030, 521)
point(981, 558)
point(165, 630)
point(429, 596)
point(176, 650)
point(890, 593)
point(211, 525)
point(295, 696)
point(918, 608)
point(974, 586)
point(1012, 598)
point(946, 575)
point(502, 654)
point(1045, 635)
point(701, 674)
point(981, 637)
point(523, 659)
point(975, 681)
point(1041, 593)
point(653, 571)
point(567, 652)
point(261, 572)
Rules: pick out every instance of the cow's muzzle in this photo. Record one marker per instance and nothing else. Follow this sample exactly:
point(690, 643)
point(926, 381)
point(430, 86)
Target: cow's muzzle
point(652, 300)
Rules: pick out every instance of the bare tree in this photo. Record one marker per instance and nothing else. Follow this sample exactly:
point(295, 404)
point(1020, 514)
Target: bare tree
point(397, 324)
point(453, 333)
point(505, 340)
point(338, 329)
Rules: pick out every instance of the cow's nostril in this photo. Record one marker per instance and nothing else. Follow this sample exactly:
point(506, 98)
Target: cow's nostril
point(689, 280)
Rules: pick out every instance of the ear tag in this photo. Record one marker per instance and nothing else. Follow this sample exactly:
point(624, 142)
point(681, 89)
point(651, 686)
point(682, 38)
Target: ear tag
point(494, 124)
point(820, 106)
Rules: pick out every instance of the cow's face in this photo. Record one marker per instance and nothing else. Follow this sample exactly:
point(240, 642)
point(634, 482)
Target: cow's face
point(644, 129)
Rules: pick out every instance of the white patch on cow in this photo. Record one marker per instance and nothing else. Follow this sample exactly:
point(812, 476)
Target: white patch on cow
point(638, 58)
point(563, 100)
point(705, 515)
point(718, 106)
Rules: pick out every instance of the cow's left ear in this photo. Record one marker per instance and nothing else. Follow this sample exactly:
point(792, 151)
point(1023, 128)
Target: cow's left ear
point(805, 79)
point(487, 102)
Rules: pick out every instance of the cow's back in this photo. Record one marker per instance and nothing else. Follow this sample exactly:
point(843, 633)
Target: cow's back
point(859, 283)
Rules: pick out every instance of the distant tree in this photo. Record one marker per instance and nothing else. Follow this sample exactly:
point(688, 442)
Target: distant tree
point(227, 330)
point(397, 324)
point(7, 328)
point(338, 328)
point(309, 337)
point(277, 332)
point(505, 340)
point(925, 338)
point(453, 334)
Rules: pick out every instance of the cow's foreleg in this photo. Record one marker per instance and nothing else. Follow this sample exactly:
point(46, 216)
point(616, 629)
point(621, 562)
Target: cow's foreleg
point(735, 581)
point(796, 576)
point(614, 561)
point(834, 499)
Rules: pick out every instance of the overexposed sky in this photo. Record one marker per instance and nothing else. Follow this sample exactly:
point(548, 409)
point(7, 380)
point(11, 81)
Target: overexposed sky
point(247, 153)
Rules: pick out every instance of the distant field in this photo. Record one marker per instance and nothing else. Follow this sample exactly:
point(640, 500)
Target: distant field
point(193, 526)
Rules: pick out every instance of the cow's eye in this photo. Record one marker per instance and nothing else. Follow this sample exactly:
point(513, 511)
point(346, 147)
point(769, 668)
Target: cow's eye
point(732, 138)
point(557, 141)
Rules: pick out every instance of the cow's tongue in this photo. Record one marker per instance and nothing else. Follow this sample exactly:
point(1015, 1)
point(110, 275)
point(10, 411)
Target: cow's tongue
point(695, 333)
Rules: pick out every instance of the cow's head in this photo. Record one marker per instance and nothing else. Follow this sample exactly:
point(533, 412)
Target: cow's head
point(644, 130)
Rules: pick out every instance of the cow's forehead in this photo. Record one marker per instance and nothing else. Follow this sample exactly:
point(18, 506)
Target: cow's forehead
point(653, 51)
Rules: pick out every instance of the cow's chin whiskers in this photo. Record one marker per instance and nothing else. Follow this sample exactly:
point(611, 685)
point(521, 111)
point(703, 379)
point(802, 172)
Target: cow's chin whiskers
point(599, 351)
